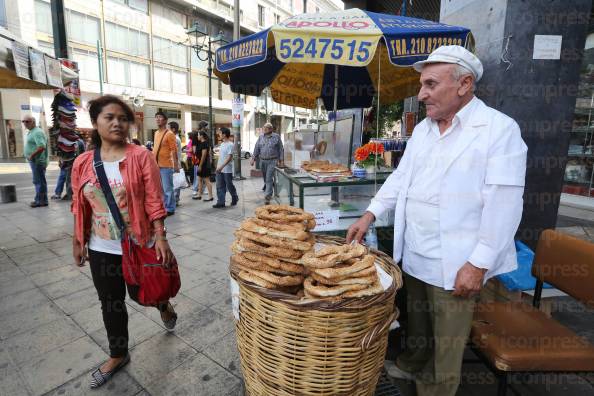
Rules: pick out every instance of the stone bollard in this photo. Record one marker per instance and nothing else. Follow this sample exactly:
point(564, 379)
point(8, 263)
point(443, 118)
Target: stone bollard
point(8, 193)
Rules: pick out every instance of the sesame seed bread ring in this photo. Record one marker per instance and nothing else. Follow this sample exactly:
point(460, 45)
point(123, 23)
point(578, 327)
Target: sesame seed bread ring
point(249, 277)
point(329, 261)
point(359, 280)
point(237, 248)
point(250, 258)
point(310, 296)
point(349, 251)
point(278, 226)
point(273, 251)
point(331, 249)
point(250, 226)
point(248, 265)
point(360, 274)
point(333, 255)
point(376, 288)
point(275, 241)
point(330, 273)
point(289, 280)
point(318, 290)
point(283, 213)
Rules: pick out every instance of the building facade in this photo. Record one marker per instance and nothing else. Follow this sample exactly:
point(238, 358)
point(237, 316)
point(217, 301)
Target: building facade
point(146, 58)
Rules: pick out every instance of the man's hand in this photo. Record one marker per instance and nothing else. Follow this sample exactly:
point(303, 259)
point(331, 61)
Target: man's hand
point(358, 229)
point(469, 281)
point(176, 169)
point(219, 170)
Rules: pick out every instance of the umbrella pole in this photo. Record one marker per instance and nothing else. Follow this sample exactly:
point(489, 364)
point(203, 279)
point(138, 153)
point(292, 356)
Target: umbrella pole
point(379, 83)
point(335, 95)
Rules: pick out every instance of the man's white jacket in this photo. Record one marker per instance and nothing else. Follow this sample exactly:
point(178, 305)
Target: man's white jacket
point(480, 200)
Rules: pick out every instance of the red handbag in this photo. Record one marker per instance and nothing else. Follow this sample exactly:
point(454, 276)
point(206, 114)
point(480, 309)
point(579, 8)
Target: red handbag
point(140, 266)
point(149, 282)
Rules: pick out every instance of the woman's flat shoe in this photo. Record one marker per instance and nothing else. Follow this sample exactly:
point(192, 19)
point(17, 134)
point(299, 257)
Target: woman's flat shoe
point(170, 324)
point(99, 378)
point(208, 200)
point(196, 197)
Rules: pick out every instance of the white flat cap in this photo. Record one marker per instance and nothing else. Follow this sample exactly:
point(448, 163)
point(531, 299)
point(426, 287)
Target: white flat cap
point(454, 54)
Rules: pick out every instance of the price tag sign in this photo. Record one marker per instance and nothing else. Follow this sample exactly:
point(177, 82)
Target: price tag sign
point(326, 220)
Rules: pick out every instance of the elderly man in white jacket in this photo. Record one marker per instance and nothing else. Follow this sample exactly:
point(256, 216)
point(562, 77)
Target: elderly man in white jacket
point(457, 196)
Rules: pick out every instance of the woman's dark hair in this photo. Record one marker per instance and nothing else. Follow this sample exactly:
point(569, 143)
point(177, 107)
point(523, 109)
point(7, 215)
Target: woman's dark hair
point(96, 107)
point(204, 135)
point(202, 125)
point(136, 142)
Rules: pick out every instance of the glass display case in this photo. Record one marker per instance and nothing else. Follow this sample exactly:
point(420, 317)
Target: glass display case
point(324, 142)
point(346, 198)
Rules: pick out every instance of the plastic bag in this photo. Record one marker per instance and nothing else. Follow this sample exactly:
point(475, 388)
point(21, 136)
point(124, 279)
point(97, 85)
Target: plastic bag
point(179, 179)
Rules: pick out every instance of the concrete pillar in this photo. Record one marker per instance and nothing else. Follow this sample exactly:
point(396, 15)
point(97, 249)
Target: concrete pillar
point(186, 120)
point(539, 94)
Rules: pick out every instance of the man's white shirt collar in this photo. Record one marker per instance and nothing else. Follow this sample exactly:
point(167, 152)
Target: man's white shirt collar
point(460, 118)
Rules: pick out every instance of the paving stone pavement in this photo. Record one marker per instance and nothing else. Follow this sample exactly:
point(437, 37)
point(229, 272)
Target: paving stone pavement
point(52, 335)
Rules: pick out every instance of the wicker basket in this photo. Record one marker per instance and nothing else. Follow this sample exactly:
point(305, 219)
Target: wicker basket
point(318, 348)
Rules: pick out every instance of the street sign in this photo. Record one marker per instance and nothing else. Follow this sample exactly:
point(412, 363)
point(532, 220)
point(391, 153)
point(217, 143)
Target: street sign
point(237, 113)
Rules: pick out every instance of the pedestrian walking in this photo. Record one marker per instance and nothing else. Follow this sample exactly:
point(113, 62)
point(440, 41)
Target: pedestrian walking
point(165, 149)
point(203, 169)
point(174, 127)
point(269, 150)
point(36, 153)
point(190, 159)
point(224, 171)
point(133, 176)
point(60, 182)
point(457, 196)
point(64, 179)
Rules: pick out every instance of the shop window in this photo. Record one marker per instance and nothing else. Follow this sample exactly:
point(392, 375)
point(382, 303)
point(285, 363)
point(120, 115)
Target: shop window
point(170, 113)
point(579, 176)
point(82, 28)
point(162, 14)
point(88, 65)
point(117, 71)
point(261, 15)
point(139, 5)
point(127, 73)
point(43, 17)
point(139, 75)
point(179, 82)
point(162, 79)
point(199, 85)
point(199, 64)
point(125, 40)
point(46, 47)
point(3, 20)
point(170, 52)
